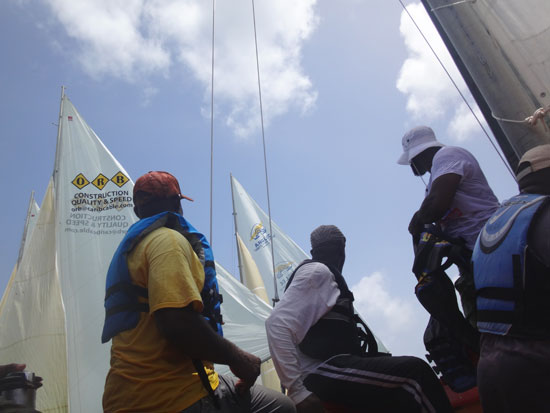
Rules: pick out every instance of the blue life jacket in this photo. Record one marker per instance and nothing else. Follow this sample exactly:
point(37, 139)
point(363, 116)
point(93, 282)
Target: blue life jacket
point(122, 306)
point(502, 272)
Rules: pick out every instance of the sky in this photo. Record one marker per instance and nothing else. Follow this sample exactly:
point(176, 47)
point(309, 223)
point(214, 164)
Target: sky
point(341, 83)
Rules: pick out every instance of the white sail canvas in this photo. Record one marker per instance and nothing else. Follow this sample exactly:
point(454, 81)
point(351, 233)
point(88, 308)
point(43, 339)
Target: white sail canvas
point(32, 316)
point(252, 225)
point(53, 312)
point(93, 212)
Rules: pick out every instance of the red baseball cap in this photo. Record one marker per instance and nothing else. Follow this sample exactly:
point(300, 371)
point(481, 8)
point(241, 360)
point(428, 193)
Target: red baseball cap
point(159, 184)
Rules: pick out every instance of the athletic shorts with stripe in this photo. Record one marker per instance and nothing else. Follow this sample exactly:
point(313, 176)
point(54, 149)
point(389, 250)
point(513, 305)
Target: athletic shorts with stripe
point(379, 384)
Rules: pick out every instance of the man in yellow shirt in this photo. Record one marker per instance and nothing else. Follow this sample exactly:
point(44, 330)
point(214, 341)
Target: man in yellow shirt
point(162, 314)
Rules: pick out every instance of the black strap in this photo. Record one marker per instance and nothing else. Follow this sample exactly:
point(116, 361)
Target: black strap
point(139, 307)
point(495, 316)
point(497, 293)
point(205, 382)
point(128, 288)
point(211, 264)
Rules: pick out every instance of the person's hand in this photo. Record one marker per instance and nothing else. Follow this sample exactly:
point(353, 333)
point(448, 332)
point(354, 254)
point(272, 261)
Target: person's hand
point(311, 404)
point(10, 368)
point(247, 369)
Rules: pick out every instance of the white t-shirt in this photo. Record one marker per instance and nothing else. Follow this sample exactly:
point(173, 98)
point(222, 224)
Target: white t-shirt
point(474, 200)
point(312, 293)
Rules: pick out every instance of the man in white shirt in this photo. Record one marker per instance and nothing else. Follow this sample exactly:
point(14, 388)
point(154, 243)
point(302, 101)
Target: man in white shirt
point(458, 197)
point(318, 353)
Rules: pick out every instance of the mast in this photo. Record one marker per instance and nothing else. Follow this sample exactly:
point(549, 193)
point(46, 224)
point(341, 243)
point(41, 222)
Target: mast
point(58, 142)
point(25, 229)
point(492, 59)
point(236, 230)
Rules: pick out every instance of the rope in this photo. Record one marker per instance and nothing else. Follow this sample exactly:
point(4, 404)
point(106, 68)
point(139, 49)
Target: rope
point(532, 120)
point(459, 91)
point(453, 4)
point(212, 126)
point(276, 297)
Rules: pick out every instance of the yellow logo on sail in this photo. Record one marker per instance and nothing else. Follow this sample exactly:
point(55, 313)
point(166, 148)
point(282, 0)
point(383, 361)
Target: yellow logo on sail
point(80, 181)
point(100, 181)
point(119, 179)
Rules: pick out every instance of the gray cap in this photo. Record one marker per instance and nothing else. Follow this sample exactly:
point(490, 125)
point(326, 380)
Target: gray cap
point(326, 234)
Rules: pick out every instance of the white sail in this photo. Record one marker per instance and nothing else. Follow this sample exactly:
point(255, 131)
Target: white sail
point(93, 211)
point(252, 225)
point(251, 278)
point(250, 228)
point(503, 46)
point(32, 317)
point(30, 222)
point(244, 316)
point(53, 312)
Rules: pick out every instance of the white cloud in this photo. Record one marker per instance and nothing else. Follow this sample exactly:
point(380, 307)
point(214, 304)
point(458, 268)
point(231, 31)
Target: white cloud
point(133, 39)
point(398, 322)
point(430, 94)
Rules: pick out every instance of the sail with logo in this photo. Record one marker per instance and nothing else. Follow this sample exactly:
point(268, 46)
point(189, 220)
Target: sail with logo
point(53, 313)
point(252, 225)
point(253, 242)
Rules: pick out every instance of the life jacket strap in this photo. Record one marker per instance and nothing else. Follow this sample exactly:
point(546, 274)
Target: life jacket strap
point(205, 382)
point(139, 307)
point(130, 289)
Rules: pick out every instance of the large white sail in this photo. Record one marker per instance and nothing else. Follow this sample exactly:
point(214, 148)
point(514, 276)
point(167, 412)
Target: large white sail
point(252, 224)
point(53, 311)
point(32, 316)
point(30, 222)
point(501, 48)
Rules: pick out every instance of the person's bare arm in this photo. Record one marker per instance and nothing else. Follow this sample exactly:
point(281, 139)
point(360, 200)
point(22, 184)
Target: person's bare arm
point(437, 203)
point(193, 335)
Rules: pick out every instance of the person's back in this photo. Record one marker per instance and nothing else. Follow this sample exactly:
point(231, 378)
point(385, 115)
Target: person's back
point(162, 313)
point(147, 371)
point(511, 269)
point(317, 349)
point(474, 201)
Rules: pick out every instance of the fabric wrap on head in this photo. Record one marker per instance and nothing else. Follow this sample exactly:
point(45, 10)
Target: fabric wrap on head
point(326, 239)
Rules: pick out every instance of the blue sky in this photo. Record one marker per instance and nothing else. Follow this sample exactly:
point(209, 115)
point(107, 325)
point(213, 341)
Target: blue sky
point(341, 81)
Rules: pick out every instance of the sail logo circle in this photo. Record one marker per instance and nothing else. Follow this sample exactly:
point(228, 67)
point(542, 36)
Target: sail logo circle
point(283, 270)
point(259, 236)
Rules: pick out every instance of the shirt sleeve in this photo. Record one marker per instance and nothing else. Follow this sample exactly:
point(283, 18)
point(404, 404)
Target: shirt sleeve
point(176, 275)
point(448, 160)
point(312, 293)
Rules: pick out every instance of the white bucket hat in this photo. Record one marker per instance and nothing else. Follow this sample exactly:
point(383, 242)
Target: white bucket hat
point(416, 141)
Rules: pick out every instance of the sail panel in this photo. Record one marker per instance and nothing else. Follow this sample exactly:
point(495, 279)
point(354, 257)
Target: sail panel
point(244, 316)
point(93, 212)
point(32, 317)
point(253, 227)
point(503, 45)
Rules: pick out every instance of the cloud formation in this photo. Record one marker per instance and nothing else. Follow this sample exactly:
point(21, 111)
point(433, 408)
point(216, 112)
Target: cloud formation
point(430, 94)
point(398, 322)
point(135, 39)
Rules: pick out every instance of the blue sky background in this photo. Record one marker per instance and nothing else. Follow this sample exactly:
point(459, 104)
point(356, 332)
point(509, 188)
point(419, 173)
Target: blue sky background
point(341, 81)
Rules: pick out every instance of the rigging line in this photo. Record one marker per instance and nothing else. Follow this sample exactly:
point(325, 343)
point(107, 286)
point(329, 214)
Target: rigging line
point(276, 297)
point(459, 91)
point(456, 3)
point(212, 124)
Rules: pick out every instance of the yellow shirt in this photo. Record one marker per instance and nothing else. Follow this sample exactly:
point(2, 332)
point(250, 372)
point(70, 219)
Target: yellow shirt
point(149, 374)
